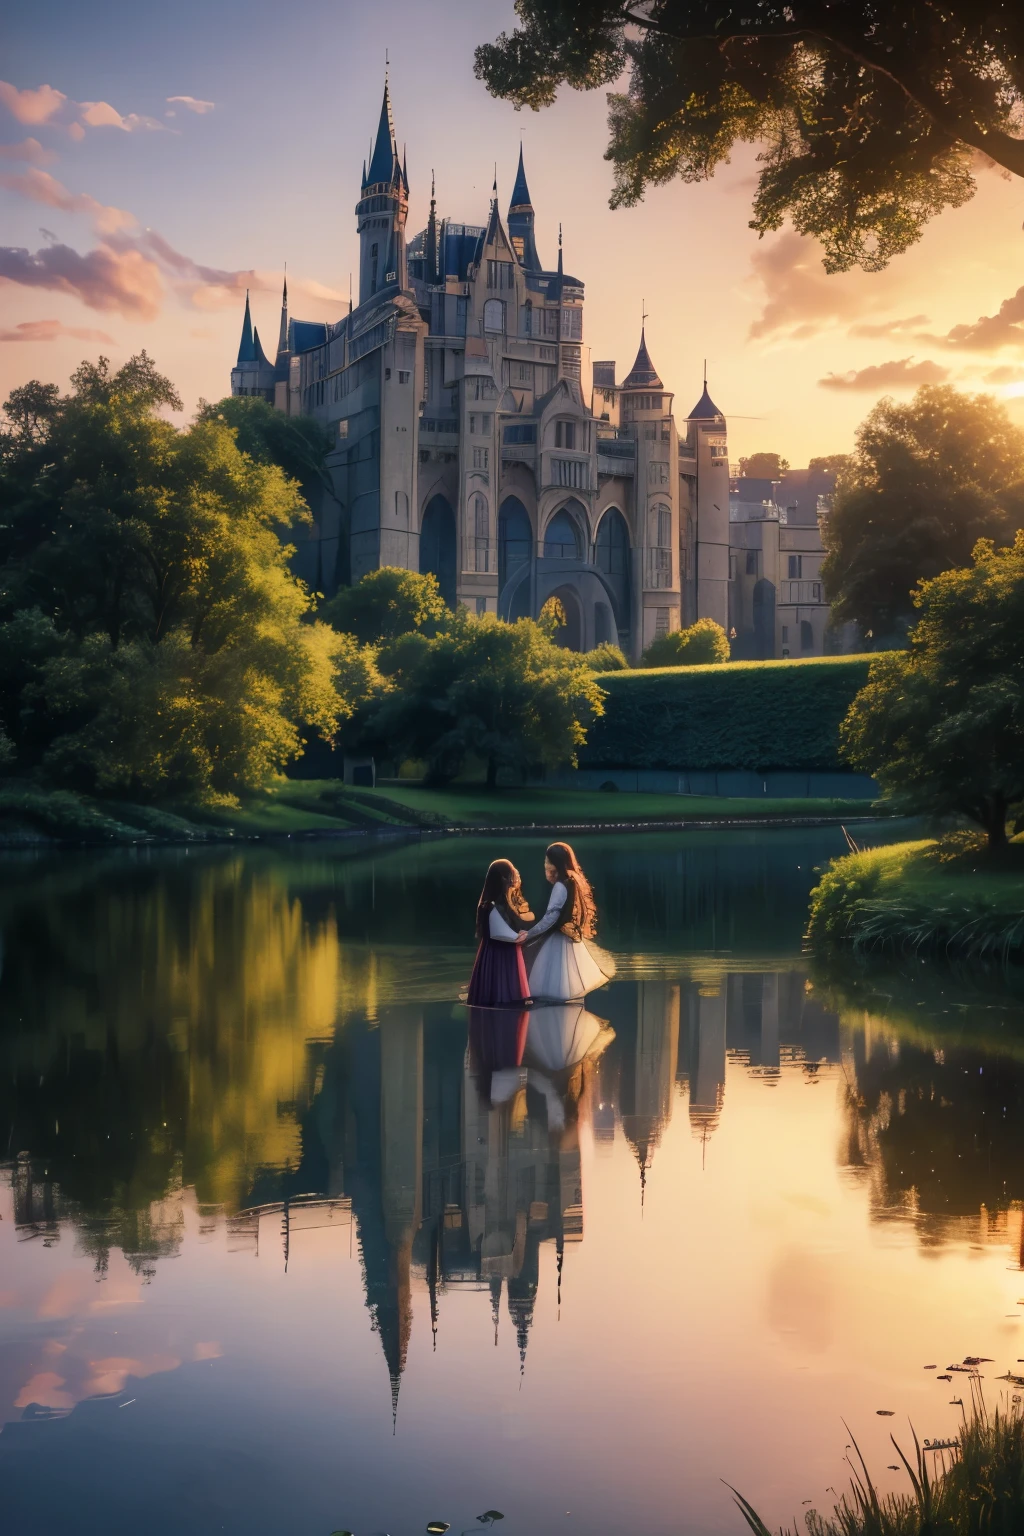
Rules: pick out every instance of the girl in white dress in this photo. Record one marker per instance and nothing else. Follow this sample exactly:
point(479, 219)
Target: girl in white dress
point(565, 967)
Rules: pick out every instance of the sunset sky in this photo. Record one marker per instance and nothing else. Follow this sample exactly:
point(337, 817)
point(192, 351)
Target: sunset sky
point(155, 161)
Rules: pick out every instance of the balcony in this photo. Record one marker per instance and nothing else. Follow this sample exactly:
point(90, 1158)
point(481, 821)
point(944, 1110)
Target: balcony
point(800, 593)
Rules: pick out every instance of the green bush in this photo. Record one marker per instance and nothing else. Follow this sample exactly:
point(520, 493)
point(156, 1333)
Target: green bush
point(703, 644)
point(606, 658)
point(756, 715)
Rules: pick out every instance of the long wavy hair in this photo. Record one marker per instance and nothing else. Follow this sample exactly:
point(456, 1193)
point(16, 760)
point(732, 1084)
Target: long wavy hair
point(502, 889)
point(579, 915)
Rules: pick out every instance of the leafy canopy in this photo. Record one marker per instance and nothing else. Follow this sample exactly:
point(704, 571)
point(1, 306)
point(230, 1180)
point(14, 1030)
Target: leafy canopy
point(152, 637)
point(764, 466)
point(927, 479)
point(502, 692)
point(941, 725)
point(866, 112)
point(702, 643)
point(386, 604)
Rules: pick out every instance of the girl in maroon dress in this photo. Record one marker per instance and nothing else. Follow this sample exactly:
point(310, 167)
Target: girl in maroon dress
point(499, 973)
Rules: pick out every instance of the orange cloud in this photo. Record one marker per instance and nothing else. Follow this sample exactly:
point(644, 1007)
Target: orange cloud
point(29, 150)
point(991, 332)
point(104, 278)
point(800, 299)
point(902, 373)
point(44, 1388)
point(41, 187)
point(110, 1374)
point(31, 106)
point(50, 330)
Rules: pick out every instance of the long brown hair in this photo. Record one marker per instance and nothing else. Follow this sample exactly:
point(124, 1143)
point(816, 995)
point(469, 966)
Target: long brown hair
point(502, 889)
point(579, 915)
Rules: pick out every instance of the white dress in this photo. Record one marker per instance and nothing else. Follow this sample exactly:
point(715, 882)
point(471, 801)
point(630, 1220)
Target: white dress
point(563, 968)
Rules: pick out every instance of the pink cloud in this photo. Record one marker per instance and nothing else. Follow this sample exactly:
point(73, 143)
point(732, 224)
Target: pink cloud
point(799, 299)
point(45, 1388)
point(50, 330)
point(76, 132)
point(104, 278)
point(193, 104)
point(100, 114)
point(31, 106)
point(29, 150)
point(41, 187)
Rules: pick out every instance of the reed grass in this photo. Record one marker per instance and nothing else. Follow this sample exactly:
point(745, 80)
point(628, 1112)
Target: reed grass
point(970, 1485)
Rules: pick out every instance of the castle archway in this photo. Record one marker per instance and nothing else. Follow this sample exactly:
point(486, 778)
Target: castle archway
point(515, 558)
point(612, 558)
point(570, 634)
point(437, 546)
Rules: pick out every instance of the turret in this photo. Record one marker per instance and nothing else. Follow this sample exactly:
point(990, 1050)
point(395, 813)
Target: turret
point(381, 212)
point(520, 221)
point(253, 373)
point(708, 434)
point(246, 351)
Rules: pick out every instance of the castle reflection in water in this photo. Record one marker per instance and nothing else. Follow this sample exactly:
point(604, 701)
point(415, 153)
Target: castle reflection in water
point(459, 1160)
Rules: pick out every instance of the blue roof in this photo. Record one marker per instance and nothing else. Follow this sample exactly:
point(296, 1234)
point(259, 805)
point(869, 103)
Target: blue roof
point(643, 374)
point(705, 408)
point(305, 334)
point(385, 150)
point(246, 350)
point(462, 245)
point(520, 192)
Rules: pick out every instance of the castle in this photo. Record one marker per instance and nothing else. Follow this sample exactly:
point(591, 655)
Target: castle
point(463, 443)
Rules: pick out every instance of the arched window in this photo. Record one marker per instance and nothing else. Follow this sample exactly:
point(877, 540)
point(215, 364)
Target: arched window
point(494, 316)
point(611, 556)
point(515, 551)
point(437, 546)
point(562, 539)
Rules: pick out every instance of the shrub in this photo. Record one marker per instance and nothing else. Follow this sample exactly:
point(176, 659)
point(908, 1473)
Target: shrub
point(703, 644)
point(755, 715)
point(606, 658)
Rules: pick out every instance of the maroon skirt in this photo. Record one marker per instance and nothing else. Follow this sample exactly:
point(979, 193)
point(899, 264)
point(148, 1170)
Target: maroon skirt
point(499, 975)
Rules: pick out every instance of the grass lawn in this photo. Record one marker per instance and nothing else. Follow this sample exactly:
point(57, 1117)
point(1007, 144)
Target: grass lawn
point(948, 895)
point(474, 806)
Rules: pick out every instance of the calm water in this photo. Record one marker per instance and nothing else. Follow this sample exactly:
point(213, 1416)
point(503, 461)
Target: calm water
point(282, 1250)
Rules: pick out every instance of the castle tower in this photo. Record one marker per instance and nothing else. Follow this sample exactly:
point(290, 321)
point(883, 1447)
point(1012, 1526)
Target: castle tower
point(646, 407)
point(711, 563)
point(381, 212)
point(253, 373)
point(520, 221)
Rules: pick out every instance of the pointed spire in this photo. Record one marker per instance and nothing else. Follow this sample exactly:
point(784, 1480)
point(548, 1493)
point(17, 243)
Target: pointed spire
point(384, 160)
point(258, 352)
point(405, 171)
point(432, 250)
point(643, 374)
point(705, 409)
point(520, 192)
point(282, 335)
point(246, 351)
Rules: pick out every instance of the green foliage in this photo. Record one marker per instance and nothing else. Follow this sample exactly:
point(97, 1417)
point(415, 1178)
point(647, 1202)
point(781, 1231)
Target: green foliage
point(153, 640)
point(764, 466)
point(927, 480)
point(606, 658)
point(755, 715)
point(863, 136)
point(386, 604)
point(296, 444)
point(920, 898)
point(705, 643)
point(942, 725)
point(552, 616)
point(502, 692)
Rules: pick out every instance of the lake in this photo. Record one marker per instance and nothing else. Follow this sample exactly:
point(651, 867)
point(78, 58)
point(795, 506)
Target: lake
point(289, 1244)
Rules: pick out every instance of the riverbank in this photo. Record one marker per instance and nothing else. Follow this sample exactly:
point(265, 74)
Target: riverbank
point(943, 896)
point(322, 808)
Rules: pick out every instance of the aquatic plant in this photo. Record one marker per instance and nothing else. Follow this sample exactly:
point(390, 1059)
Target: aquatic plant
point(974, 1487)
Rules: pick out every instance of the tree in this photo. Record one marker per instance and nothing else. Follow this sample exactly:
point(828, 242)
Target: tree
point(927, 480)
point(764, 466)
point(866, 114)
point(503, 692)
point(387, 603)
point(703, 643)
point(157, 641)
point(941, 725)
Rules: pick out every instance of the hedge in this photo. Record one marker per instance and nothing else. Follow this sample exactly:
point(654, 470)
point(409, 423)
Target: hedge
point(755, 715)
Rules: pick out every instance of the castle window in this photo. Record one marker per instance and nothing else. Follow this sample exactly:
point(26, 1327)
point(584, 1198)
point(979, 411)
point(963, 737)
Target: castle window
point(550, 322)
point(494, 316)
point(481, 424)
point(751, 562)
point(480, 458)
point(572, 324)
point(796, 567)
point(562, 539)
point(499, 275)
point(806, 635)
point(657, 473)
point(565, 434)
point(521, 432)
point(660, 622)
point(404, 375)
point(527, 318)
point(373, 268)
point(524, 373)
point(650, 431)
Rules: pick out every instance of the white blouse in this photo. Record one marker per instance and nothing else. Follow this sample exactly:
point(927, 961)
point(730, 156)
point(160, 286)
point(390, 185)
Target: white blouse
point(499, 929)
point(559, 896)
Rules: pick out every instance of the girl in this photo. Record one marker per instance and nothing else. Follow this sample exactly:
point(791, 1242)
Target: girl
point(499, 972)
point(564, 967)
